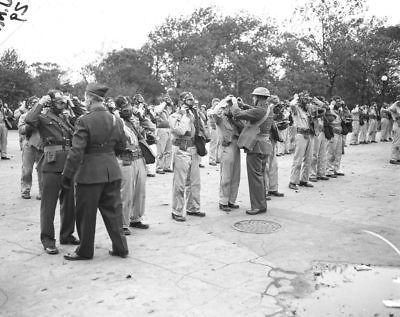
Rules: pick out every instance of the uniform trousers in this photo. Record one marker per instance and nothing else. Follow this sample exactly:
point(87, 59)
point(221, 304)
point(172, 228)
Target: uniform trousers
point(396, 142)
point(3, 139)
point(186, 181)
point(318, 162)
point(334, 153)
point(385, 133)
point(229, 173)
point(52, 192)
point(292, 137)
point(164, 149)
point(215, 147)
point(302, 159)
point(356, 132)
point(107, 198)
point(372, 129)
point(283, 147)
point(256, 165)
point(30, 156)
point(362, 137)
point(390, 128)
point(271, 171)
point(133, 191)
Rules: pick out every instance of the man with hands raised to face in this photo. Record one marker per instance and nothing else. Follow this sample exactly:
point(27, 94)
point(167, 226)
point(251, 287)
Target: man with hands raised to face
point(185, 123)
point(56, 133)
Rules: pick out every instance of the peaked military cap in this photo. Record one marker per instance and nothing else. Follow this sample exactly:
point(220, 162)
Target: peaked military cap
point(97, 89)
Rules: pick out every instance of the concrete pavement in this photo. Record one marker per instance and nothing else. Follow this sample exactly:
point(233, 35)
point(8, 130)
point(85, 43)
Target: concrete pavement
point(204, 267)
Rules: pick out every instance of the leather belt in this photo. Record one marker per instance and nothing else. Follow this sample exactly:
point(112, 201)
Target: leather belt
point(55, 148)
point(99, 149)
point(304, 131)
point(184, 143)
point(131, 156)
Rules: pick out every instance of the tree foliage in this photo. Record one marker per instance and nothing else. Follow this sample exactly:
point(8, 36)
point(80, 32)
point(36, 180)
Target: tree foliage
point(333, 47)
point(46, 76)
point(15, 81)
point(127, 73)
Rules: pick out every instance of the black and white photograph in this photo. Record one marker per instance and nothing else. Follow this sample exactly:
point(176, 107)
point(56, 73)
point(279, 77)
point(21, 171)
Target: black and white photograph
point(200, 158)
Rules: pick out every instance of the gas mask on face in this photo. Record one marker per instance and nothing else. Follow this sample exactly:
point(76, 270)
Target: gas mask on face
point(126, 112)
point(58, 105)
point(189, 102)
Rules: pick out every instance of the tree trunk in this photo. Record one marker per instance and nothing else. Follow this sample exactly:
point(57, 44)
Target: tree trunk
point(331, 86)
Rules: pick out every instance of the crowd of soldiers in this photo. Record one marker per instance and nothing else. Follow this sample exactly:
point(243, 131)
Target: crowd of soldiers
point(97, 153)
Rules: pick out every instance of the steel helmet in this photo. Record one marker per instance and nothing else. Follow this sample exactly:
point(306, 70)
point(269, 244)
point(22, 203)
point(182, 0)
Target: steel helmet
point(261, 91)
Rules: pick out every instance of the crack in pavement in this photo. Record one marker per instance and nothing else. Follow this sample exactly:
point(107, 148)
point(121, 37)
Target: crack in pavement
point(5, 298)
point(22, 247)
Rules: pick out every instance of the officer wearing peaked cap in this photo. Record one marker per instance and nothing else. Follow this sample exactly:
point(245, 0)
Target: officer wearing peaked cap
point(98, 136)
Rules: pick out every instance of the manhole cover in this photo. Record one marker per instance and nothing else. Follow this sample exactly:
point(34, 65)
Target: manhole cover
point(256, 226)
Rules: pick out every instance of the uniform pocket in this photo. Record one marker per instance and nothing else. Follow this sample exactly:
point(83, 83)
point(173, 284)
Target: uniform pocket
point(50, 157)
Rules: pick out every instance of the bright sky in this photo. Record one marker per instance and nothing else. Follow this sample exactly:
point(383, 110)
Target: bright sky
point(73, 33)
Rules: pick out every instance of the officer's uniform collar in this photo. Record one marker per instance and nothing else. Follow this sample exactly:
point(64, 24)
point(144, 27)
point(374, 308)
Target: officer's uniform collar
point(98, 107)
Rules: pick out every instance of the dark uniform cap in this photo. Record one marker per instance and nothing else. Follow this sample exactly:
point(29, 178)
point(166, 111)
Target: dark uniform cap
point(97, 89)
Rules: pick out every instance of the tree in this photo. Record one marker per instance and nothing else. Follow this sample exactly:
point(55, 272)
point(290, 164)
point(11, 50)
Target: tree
point(328, 34)
point(375, 54)
point(213, 55)
point(46, 76)
point(125, 72)
point(300, 71)
point(15, 82)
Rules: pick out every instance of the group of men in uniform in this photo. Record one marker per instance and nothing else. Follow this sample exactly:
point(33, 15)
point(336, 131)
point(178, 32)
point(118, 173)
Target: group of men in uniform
point(80, 150)
point(90, 155)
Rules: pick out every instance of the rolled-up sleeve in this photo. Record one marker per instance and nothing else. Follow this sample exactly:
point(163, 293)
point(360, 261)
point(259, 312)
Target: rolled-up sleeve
point(179, 124)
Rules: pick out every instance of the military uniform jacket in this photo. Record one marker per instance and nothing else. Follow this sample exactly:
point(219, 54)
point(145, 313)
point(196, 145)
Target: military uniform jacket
point(228, 129)
point(53, 130)
point(98, 136)
point(263, 143)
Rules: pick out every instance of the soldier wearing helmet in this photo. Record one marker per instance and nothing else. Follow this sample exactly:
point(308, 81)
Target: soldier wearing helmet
point(260, 147)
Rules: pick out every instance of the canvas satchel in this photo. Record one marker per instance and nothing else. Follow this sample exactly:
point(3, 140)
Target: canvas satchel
point(147, 152)
point(248, 136)
point(199, 140)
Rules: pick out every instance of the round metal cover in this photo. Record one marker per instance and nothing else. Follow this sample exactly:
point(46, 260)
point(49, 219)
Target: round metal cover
point(257, 226)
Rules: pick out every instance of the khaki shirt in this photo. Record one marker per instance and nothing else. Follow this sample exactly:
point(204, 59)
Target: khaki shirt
point(34, 140)
point(355, 113)
point(300, 117)
point(182, 124)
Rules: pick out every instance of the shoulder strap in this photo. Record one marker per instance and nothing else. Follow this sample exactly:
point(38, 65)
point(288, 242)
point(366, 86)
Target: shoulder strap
point(260, 122)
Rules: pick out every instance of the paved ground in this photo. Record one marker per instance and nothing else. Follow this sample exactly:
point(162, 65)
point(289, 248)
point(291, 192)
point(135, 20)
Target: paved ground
point(206, 268)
